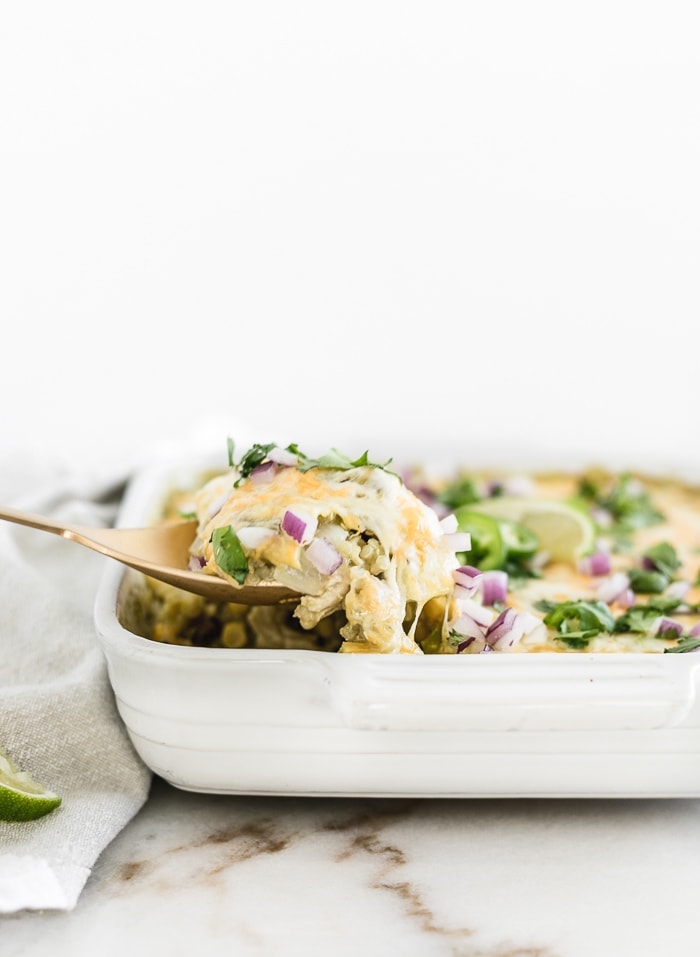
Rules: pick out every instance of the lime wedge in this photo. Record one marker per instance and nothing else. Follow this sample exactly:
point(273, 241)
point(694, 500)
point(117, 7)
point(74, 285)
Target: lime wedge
point(21, 797)
point(564, 532)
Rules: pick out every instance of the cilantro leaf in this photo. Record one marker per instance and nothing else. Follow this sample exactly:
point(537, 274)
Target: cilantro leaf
point(333, 460)
point(578, 640)
point(688, 643)
point(637, 619)
point(625, 500)
point(664, 558)
point(576, 622)
point(229, 554)
point(463, 491)
point(255, 456)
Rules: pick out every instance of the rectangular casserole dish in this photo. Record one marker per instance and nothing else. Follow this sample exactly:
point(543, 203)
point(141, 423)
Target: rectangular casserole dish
point(298, 722)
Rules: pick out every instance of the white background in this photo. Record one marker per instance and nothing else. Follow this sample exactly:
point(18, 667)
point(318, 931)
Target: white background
point(362, 222)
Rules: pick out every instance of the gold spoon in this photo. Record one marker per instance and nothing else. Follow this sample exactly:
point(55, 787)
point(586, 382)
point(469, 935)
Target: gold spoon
point(160, 552)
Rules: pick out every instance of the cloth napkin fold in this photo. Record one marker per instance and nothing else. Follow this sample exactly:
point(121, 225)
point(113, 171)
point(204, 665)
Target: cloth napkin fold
point(58, 719)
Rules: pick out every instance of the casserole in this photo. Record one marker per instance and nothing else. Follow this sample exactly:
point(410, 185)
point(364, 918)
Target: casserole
point(305, 722)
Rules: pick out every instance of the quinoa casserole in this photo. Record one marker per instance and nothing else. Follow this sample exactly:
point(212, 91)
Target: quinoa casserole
point(473, 562)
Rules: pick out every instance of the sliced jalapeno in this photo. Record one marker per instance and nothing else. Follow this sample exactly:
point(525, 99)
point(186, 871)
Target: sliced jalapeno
point(520, 543)
point(488, 549)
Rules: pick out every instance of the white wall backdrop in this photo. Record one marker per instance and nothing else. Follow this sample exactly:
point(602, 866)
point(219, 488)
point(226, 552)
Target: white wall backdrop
point(357, 223)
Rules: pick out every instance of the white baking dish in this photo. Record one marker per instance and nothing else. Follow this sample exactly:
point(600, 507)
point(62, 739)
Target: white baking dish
point(305, 722)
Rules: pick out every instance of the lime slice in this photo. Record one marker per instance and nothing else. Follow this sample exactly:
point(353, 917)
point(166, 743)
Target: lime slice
point(564, 532)
point(21, 797)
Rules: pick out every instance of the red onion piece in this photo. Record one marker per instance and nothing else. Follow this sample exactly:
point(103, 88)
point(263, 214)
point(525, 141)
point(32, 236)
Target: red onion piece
point(462, 593)
point(459, 541)
point(323, 556)
point(695, 631)
point(678, 589)
point(481, 615)
point(466, 571)
point(262, 474)
point(626, 598)
point(613, 587)
point(602, 517)
point(253, 536)
point(666, 626)
point(217, 504)
point(506, 630)
point(473, 646)
point(595, 564)
point(467, 577)
point(449, 523)
point(494, 586)
point(282, 456)
point(196, 563)
point(299, 526)
point(468, 627)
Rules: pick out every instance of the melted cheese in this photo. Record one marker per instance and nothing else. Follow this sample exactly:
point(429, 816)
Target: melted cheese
point(377, 587)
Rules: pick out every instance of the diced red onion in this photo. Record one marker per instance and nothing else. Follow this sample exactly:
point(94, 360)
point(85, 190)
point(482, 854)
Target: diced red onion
point(666, 626)
point(449, 523)
point(481, 615)
point(323, 556)
point(217, 504)
point(613, 587)
point(461, 593)
point(602, 517)
point(695, 631)
point(196, 563)
point(466, 575)
point(598, 563)
point(262, 474)
point(473, 646)
point(282, 456)
point(626, 598)
point(539, 560)
point(459, 541)
point(468, 627)
point(678, 589)
point(512, 485)
point(494, 586)
point(253, 536)
point(299, 526)
point(506, 630)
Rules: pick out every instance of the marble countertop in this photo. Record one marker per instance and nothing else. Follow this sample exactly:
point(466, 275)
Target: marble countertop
point(473, 878)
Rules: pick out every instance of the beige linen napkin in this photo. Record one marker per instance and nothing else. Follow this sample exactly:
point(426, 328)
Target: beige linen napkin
point(58, 720)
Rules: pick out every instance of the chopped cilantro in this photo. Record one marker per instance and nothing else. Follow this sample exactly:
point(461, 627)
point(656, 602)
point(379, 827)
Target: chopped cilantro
point(229, 554)
point(625, 500)
point(578, 640)
point(688, 643)
point(664, 558)
point(576, 622)
point(255, 456)
point(637, 619)
point(463, 491)
point(333, 460)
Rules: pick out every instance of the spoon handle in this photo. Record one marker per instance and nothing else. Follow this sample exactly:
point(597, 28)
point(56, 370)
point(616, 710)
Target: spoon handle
point(31, 520)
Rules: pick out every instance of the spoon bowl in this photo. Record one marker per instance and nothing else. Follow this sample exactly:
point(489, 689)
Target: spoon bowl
point(161, 552)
